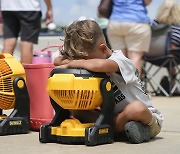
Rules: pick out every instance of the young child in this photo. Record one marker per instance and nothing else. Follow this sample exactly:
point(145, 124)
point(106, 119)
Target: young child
point(85, 47)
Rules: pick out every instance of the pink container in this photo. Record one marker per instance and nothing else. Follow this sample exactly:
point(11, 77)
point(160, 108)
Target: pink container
point(41, 111)
point(41, 57)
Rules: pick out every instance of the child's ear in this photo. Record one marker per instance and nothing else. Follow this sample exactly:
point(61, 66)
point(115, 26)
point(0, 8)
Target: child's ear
point(103, 47)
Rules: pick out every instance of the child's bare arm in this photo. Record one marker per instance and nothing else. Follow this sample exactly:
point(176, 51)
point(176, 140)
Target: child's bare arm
point(95, 65)
point(60, 61)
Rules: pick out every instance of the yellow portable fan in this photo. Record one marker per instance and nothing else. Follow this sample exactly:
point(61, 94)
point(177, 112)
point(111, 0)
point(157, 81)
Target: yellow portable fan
point(13, 95)
point(79, 89)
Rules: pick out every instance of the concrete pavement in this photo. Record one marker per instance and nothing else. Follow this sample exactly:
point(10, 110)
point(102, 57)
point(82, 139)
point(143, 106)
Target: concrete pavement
point(167, 142)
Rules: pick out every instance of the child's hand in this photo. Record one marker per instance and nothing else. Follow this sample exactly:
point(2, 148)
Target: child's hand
point(64, 63)
point(63, 66)
point(59, 61)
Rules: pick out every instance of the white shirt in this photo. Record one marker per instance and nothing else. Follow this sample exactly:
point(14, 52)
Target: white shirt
point(128, 86)
point(20, 5)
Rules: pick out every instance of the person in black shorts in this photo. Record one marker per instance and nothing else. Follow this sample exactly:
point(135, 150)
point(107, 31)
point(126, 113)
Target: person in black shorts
point(24, 20)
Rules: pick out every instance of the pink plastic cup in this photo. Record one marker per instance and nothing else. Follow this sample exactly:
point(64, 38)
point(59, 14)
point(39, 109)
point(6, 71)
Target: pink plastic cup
point(41, 57)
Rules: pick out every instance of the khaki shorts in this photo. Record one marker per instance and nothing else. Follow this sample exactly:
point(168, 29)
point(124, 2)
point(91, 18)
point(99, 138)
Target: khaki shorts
point(155, 128)
point(131, 36)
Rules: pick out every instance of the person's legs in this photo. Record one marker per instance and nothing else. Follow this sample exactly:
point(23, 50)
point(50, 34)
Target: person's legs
point(85, 116)
point(173, 69)
point(138, 132)
point(11, 29)
point(134, 121)
point(155, 128)
point(30, 28)
point(136, 58)
point(138, 122)
point(9, 45)
point(138, 42)
point(26, 52)
point(135, 111)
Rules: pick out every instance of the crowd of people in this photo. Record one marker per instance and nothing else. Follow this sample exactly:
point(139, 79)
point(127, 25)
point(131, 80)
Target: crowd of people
point(129, 35)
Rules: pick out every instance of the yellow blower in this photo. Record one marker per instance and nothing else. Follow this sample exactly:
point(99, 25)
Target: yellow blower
point(79, 89)
point(13, 95)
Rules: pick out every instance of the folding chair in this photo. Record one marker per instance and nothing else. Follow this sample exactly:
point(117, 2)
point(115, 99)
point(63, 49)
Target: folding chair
point(159, 57)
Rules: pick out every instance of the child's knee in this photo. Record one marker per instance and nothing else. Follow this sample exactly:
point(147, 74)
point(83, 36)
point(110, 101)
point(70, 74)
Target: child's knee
point(136, 110)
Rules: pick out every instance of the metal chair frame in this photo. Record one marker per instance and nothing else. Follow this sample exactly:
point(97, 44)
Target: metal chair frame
point(166, 61)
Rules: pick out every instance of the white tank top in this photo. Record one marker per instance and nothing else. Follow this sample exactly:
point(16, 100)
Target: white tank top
point(20, 5)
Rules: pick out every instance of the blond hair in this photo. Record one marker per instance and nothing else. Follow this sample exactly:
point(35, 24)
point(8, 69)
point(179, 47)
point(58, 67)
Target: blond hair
point(81, 37)
point(169, 12)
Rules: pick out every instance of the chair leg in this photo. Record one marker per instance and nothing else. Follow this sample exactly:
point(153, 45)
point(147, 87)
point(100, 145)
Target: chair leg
point(171, 84)
point(149, 79)
point(176, 78)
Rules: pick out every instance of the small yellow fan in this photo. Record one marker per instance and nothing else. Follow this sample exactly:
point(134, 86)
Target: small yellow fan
point(13, 95)
point(79, 89)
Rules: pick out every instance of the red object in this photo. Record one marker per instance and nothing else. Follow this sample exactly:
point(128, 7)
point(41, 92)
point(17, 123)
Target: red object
point(41, 111)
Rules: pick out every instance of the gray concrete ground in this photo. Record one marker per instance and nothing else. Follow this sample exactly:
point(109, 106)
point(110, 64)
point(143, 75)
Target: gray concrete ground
point(167, 142)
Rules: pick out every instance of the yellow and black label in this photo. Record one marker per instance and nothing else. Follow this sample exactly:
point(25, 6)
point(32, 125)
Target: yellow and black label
point(15, 123)
point(103, 130)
